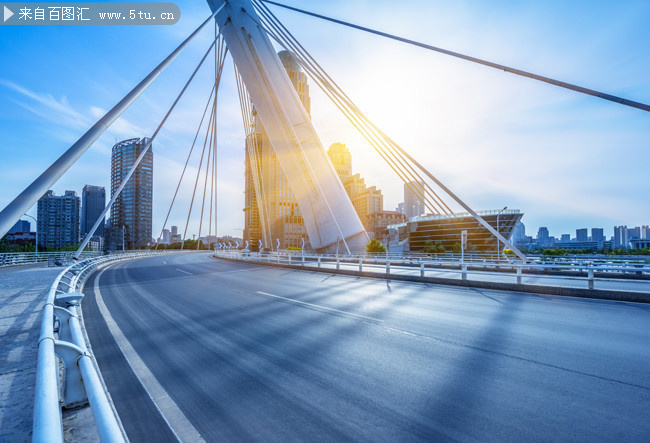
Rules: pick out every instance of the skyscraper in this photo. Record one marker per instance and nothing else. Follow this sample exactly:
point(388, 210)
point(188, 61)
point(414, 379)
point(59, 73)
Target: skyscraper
point(645, 232)
point(519, 233)
point(93, 201)
point(621, 239)
point(582, 234)
point(341, 160)
point(413, 204)
point(131, 213)
point(58, 220)
point(267, 190)
point(543, 237)
point(365, 199)
point(597, 234)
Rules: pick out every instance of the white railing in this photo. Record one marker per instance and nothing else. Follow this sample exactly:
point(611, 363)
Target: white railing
point(429, 265)
point(25, 258)
point(62, 336)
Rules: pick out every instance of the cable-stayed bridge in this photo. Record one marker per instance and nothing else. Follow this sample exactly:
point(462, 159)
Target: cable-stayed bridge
point(280, 355)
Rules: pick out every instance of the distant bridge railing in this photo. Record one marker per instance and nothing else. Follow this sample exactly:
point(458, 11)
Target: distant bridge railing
point(62, 335)
point(26, 258)
point(429, 265)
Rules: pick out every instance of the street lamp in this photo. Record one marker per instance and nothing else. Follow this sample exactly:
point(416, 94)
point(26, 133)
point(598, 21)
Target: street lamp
point(499, 241)
point(36, 232)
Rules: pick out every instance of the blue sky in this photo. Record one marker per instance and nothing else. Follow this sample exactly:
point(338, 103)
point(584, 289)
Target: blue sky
point(566, 160)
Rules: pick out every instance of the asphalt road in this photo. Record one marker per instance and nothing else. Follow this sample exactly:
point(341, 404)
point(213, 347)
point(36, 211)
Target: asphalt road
point(238, 352)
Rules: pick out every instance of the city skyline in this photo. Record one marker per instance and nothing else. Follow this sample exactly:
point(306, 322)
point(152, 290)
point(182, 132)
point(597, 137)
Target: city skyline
point(495, 139)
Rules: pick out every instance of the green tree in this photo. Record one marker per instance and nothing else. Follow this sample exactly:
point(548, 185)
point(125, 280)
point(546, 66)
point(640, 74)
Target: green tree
point(456, 248)
point(374, 246)
point(433, 248)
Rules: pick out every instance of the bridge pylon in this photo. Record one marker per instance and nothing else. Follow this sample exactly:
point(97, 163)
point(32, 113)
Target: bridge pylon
point(328, 214)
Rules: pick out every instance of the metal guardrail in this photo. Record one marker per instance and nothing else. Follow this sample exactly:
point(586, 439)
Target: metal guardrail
point(62, 335)
point(25, 258)
point(447, 263)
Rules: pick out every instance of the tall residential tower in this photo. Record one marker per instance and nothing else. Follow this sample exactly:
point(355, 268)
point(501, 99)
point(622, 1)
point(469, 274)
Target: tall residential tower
point(131, 214)
point(58, 220)
point(93, 201)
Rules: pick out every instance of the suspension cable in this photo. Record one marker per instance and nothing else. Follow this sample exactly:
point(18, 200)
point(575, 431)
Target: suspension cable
point(198, 173)
point(186, 162)
point(146, 148)
point(400, 165)
point(435, 180)
point(583, 90)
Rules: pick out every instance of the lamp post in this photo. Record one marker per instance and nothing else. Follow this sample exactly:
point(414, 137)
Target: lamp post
point(498, 241)
point(36, 231)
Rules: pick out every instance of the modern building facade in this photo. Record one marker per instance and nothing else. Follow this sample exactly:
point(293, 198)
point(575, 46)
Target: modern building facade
point(597, 234)
point(413, 204)
point(365, 199)
point(20, 226)
point(378, 222)
point(93, 202)
point(582, 234)
point(447, 229)
point(174, 236)
point(58, 220)
point(621, 239)
point(131, 213)
point(544, 239)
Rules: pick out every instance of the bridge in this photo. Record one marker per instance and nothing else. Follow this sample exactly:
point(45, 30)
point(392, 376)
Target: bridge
point(215, 346)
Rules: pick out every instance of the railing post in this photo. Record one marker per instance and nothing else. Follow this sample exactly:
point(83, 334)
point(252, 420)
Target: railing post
point(463, 268)
point(387, 266)
point(360, 265)
point(319, 261)
point(289, 260)
point(338, 263)
point(590, 277)
point(518, 275)
point(421, 268)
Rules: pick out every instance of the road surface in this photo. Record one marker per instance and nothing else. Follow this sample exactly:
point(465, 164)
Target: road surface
point(225, 351)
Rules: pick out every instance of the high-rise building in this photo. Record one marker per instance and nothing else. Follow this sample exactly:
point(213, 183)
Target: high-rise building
point(543, 237)
point(597, 234)
point(413, 204)
point(645, 232)
point(58, 220)
point(341, 160)
point(20, 226)
point(519, 238)
point(175, 237)
point(633, 233)
point(565, 238)
point(582, 234)
point(267, 190)
point(93, 202)
point(621, 239)
point(131, 213)
point(365, 199)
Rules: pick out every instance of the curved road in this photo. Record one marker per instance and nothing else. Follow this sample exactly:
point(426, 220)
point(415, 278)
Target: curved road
point(225, 351)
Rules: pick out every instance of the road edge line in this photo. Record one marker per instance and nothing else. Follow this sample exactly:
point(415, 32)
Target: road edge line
point(152, 387)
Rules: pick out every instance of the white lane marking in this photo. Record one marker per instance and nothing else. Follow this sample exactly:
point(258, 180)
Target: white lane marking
point(319, 306)
point(164, 262)
point(184, 272)
point(167, 407)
